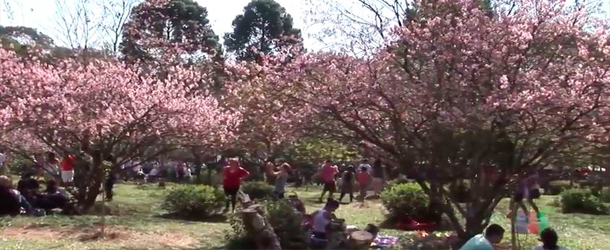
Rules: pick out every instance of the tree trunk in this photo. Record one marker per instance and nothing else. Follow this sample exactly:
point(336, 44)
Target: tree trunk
point(259, 229)
point(360, 240)
point(89, 176)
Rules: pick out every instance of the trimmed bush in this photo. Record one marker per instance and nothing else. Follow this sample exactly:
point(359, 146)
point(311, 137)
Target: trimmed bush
point(257, 189)
point(399, 180)
point(581, 201)
point(556, 187)
point(194, 202)
point(405, 201)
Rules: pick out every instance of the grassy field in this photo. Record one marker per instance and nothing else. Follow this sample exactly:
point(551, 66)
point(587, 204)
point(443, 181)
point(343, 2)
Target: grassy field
point(137, 223)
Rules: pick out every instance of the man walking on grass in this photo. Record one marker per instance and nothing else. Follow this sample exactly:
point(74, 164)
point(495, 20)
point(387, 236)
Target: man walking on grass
point(327, 173)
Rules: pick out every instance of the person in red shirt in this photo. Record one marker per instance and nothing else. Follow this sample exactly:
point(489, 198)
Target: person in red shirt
point(233, 175)
point(327, 173)
point(67, 169)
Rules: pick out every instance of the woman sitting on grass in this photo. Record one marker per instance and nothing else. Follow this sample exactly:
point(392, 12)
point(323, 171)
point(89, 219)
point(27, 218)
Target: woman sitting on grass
point(549, 240)
point(322, 219)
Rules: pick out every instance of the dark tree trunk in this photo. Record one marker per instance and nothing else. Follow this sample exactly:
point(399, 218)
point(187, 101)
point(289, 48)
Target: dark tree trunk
point(88, 179)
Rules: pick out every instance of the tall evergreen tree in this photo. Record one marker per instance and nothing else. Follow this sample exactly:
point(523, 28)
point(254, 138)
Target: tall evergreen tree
point(168, 30)
point(264, 27)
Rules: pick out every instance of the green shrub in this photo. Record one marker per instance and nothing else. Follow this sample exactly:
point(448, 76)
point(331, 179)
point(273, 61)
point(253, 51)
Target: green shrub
point(257, 189)
point(604, 196)
point(194, 202)
point(556, 187)
point(236, 236)
point(405, 200)
point(286, 223)
point(399, 180)
point(581, 201)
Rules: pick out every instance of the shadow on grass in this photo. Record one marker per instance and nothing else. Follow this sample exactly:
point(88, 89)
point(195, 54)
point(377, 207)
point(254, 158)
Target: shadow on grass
point(219, 218)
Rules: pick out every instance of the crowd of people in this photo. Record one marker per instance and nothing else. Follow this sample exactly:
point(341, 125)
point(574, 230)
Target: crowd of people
point(29, 199)
point(349, 178)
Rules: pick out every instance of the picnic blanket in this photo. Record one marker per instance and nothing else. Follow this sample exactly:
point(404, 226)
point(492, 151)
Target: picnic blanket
point(384, 241)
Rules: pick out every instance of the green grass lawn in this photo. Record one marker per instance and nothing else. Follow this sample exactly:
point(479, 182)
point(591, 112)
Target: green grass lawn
point(136, 223)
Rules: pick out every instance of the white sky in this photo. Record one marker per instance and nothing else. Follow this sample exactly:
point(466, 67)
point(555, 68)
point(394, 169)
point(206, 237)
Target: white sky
point(40, 14)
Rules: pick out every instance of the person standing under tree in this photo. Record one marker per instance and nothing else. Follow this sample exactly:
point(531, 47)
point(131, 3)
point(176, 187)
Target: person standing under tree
point(268, 171)
point(232, 177)
point(378, 177)
point(67, 170)
point(365, 164)
point(281, 178)
point(347, 184)
point(528, 189)
point(327, 173)
point(364, 180)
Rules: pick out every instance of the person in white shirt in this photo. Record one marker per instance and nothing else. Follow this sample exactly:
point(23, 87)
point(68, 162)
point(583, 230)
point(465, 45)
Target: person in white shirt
point(549, 240)
point(365, 164)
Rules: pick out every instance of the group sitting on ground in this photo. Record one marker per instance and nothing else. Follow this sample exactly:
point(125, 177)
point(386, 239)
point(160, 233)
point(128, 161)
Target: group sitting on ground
point(494, 234)
point(28, 199)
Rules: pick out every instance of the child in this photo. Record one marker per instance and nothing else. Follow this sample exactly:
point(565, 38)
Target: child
point(281, 178)
point(364, 179)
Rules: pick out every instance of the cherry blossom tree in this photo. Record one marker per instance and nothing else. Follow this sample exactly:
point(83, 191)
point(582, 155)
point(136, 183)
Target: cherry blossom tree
point(107, 110)
point(460, 94)
point(267, 123)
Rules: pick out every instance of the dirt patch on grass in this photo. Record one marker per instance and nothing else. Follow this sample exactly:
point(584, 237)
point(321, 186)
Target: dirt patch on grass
point(119, 237)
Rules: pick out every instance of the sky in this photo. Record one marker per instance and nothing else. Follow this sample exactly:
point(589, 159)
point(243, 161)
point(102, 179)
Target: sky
point(41, 14)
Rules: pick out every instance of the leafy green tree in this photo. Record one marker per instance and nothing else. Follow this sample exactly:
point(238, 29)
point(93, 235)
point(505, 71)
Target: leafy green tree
point(27, 42)
point(264, 27)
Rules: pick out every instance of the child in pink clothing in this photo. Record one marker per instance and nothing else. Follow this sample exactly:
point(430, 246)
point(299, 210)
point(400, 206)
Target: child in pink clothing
point(364, 179)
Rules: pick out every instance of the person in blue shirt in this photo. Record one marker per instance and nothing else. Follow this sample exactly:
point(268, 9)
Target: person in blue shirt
point(493, 235)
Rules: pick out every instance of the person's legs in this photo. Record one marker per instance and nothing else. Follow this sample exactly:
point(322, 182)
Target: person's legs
point(362, 193)
point(331, 189)
point(533, 205)
point(351, 195)
point(24, 204)
point(324, 189)
point(342, 195)
point(229, 197)
point(233, 201)
point(108, 188)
